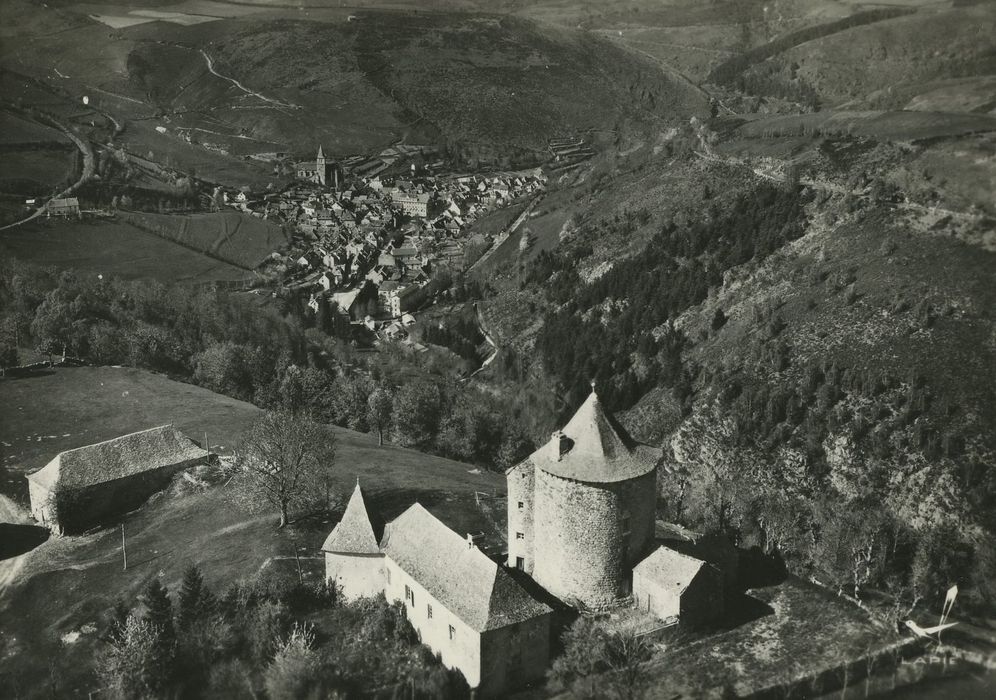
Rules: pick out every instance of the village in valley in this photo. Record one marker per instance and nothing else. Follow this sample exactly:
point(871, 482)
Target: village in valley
point(364, 248)
point(468, 349)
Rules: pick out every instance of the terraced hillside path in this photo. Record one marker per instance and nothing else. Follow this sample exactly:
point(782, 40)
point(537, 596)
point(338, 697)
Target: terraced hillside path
point(503, 236)
point(243, 88)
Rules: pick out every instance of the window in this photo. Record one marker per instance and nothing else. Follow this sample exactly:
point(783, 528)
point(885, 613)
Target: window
point(429, 611)
point(388, 575)
point(452, 632)
point(521, 505)
point(409, 595)
point(520, 563)
point(520, 536)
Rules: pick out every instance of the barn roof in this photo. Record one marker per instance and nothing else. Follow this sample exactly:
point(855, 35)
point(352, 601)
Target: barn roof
point(117, 458)
point(669, 569)
point(596, 449)
point(459, 575)
point(355, 532)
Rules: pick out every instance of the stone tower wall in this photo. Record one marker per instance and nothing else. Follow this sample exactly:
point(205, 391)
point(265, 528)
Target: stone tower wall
point(640, 499)
point(581, 551)
point(521, 489)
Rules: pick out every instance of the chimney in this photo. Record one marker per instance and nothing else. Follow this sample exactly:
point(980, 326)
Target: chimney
point(559, 444)
point(474, 539)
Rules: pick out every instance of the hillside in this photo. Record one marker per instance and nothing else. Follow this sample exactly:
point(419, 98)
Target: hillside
point(802, 347)
point(202, 92)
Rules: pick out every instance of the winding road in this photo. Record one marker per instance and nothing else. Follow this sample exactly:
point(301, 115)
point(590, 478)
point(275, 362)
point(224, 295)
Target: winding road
point(243, 88)
point(89, 168)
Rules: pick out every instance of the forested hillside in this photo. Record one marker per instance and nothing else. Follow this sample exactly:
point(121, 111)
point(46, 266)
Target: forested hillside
point(819, 368)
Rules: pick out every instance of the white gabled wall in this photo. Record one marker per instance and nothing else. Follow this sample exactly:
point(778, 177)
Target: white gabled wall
point(463, 651)
point(359, 575)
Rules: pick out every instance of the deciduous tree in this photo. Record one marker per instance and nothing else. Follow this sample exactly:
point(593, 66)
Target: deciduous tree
point(284, 461)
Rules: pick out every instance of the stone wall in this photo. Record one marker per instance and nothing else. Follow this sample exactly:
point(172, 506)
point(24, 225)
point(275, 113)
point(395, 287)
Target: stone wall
point(582, 552)
point(359, 575)
point(515, 656)
point(640, 499)
point(702, 601)
point(100, 504)
point(521, 489)
point(699, 604)
point(461, 649)
point(663, 602)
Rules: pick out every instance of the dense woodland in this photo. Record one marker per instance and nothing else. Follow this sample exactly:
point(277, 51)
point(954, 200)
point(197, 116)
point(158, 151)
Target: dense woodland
point(616, 330)
point(253, 350)
point(263, 635)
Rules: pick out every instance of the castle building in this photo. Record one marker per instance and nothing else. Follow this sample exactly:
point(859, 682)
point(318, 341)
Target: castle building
point(465, 607)
point(581, 509)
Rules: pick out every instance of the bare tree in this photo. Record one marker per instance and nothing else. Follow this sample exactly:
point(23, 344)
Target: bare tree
point(284, 461)
point(380, 409)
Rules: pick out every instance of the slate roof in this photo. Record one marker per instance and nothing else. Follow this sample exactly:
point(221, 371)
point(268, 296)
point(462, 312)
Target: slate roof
point(460, 576)
point(598, 449)
point(355, 532)
point(123, 456)
point(670, 569)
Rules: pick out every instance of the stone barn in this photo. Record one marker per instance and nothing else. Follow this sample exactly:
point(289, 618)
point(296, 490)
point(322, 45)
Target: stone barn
point(353, 559)
point(675, 587)
point(84, 487)
point(581, 509)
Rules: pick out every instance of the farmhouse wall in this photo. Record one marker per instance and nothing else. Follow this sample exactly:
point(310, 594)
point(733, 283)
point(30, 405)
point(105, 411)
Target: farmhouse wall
point(514, 656)
point(462, 651)
point(661, 601)
point(359, 575)
point(97, 504)
point(521, 490)
point(700, 603)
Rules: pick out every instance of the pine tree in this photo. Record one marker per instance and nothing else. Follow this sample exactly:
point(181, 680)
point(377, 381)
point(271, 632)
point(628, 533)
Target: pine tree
point(159, 610)
point(196, 602)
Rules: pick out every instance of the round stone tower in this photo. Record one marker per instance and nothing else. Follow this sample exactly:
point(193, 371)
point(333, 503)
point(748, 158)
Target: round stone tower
point(593, 508)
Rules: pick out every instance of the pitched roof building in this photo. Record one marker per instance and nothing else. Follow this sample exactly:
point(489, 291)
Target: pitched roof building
point(464, 606)
point(674, 586)
point(109, 476)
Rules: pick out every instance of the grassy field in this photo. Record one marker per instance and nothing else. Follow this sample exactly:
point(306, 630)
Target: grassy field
point(112, 248)
point(63, 586)
point(37, 171)
point(240, 239)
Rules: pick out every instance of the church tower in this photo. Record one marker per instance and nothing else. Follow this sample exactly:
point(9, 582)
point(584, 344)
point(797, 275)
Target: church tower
point(321, 166)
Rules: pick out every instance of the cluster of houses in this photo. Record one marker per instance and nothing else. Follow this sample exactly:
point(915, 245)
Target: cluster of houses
point(367, 245)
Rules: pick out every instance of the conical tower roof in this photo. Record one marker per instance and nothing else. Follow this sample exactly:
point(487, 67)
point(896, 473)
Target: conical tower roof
point(321, 153)
point(355, 533)
point(593, 447)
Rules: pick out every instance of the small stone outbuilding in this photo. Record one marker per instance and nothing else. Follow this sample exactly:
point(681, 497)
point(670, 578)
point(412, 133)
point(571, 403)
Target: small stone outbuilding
point(85, 486)
point(675, 587)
